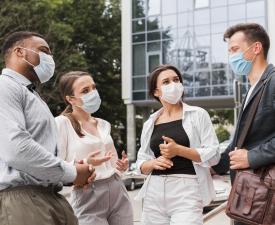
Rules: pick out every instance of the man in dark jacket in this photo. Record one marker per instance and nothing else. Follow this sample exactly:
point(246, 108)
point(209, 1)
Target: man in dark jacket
point(248, 46)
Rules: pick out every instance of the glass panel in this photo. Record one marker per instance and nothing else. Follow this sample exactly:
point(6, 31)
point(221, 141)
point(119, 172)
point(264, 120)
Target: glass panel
point(202, 41)
point(202, 58)
point(255, 9)
point(215, 3)
point(169, 52)
point(185, 59)
point(188, 92)
point(138, 8)
point(153, 36)
point(187, 80)
point(202, 30)
point(202, 17)
point(202, 92)
point(219, 77)
point(185, 19)
point(139, 59)
point(139, 25)
point(153, 23)
point(186, 38)
point(169, 6)
point(185, 5)
point(139, 38)
point(219, 15)
point(153, 46)
point(201, 3)
point(139, 95)
point(169, 22)
point(237, 12)
point(218, 27)
point(169, 34)
point(219, 51)
point(139, 83)
point(153, 7)
point(260, 21)
point(153, 62)
point(220, 90)
point(235, 1)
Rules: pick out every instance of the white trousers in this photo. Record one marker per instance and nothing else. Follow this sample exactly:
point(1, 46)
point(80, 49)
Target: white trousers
point(172, 200)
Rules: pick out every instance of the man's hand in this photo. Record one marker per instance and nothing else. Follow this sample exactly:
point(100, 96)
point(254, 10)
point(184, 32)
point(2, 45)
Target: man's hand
point(169, 148)
point(239, 159)
point(161, 163)
point(123, 163)
point(94, 160)
point(85, 175)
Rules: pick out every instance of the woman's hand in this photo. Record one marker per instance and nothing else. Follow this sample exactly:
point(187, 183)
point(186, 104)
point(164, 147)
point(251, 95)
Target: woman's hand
point(169, 149)
point(123, 163)
point(97, 161)
point(161, 163)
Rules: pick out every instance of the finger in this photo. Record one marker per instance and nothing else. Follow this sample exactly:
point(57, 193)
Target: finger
point(80, 161)
point(93, 154)
point(167, 139)
point(119, 168)
point(104, 159)
point(92, 178)
point(119, 163)
point(159, 168)
point(167, 161)
point(163, 164)
point(123, 154)
point(235, 167)
point(109, 154)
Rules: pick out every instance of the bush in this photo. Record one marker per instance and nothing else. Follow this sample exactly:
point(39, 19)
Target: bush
point(222, 133)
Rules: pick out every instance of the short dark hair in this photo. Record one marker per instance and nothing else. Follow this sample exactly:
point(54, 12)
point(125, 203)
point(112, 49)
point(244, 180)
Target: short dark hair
point(154, 77)
point(16, 38)
point(253, 32)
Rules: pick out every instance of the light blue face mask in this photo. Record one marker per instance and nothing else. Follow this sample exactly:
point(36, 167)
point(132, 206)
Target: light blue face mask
point(239, 64)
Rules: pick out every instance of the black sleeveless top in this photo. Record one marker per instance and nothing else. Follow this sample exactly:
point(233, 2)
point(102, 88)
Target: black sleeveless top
point(175, 131)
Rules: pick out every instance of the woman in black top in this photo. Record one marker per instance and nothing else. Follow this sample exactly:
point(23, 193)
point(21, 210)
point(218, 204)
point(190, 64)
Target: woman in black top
point(178, 144)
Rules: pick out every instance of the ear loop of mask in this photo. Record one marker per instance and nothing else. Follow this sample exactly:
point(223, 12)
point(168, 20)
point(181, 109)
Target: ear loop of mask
point(247, 50)
point(31, 51)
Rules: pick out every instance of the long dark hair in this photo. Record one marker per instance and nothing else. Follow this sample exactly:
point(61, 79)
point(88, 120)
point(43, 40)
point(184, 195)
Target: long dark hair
point(66, 83)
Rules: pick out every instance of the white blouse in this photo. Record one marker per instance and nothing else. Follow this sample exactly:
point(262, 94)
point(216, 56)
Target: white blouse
point(198, 126)
point(72, 147)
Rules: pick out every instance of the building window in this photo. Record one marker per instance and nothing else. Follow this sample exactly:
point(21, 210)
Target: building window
point(201, 4)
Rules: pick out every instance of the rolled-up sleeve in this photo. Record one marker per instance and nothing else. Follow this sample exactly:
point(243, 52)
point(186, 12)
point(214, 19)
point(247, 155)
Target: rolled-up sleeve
point(208, 148)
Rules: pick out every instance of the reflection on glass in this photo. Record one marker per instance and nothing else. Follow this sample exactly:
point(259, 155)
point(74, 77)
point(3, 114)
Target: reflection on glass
point(202, 30)
point(153, 7)
point(259, 20)
point(219, 90)
point(139, 59)
point(188, 92)
point(202, 78)
point(168, 34)
point(202, 41)
point(202, 92)
point(255, 9)
point(235, 1)
point(169, 22)
point(188, 79)
point(169, 52)
point(153, 23)
point(185, 5)
point(201, 3)
point(219, 77)
point(139, 95)
point(219, 49)
point(138, 37)
point(153, 62)
point(153, 46)
point(202, 58)
point(219, 15)
point(218, 28)
point(185, 19)
point(138, 8)
point(215, 3)
point(153, 36)
point(202, 17)
point(138, 25)
point(169, 6)
point(237, 12)
point(139, 83)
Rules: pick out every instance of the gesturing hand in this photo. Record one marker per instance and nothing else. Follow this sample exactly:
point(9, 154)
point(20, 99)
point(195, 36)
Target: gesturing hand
point(123, 163)
point(96, 161)
point(238, 159)
point(161, 163)
point(169, 148)
point(85, 175)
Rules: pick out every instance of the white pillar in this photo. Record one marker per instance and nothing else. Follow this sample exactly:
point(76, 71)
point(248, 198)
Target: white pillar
point(271, 29)
point(131, 132)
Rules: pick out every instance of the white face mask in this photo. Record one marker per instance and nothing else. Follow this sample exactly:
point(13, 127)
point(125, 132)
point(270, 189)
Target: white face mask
point(91, 102)
point(45, 69)
point(172, 92)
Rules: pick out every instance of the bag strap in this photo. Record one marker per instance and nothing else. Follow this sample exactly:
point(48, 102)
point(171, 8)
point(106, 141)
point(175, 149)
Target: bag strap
point(252, 113)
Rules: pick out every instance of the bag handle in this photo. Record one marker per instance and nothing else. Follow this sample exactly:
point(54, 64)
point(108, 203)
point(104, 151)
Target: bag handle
point(252, 113)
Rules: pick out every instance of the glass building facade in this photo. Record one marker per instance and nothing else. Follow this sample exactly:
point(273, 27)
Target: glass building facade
point(189, 35)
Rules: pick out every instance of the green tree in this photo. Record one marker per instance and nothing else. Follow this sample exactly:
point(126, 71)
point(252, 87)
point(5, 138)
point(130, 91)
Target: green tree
point(83, 35)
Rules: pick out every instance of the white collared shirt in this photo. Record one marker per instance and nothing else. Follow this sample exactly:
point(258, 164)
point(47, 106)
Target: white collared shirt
point(199, 129)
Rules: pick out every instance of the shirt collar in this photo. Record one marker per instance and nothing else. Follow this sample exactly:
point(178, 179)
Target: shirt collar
point(16, 76)
point(186, 108)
